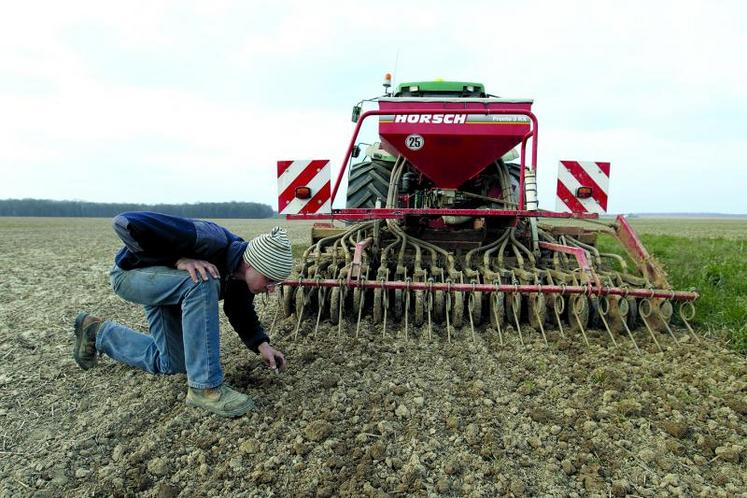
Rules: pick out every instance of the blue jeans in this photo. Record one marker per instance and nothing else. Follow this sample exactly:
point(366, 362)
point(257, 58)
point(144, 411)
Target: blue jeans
point(183, 318)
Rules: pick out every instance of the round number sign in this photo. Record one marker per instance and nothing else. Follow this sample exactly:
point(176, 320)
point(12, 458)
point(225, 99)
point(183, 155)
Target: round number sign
point(414, 142)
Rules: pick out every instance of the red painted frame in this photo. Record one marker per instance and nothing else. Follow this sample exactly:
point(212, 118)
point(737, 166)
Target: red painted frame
point(399, 213)
point(353, 214)
point(361, 214)
point(590, 290)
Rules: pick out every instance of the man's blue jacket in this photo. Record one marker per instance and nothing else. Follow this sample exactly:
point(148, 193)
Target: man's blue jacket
point(154, 239)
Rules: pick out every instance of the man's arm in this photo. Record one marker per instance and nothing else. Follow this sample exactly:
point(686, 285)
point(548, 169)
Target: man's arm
point(238, 304)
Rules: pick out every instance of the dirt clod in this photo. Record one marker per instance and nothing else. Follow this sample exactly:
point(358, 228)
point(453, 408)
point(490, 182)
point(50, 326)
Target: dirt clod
point(517, 487)
point(318, 430)
point(675, 429)
point(158, 467)
point(731, 453)
point(620, 487)
point(629, 407)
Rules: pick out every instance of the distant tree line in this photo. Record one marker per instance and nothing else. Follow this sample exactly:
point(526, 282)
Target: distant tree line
point(45, 207)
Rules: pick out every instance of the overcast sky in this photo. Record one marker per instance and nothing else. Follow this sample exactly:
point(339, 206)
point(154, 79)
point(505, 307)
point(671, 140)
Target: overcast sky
point(161, 102)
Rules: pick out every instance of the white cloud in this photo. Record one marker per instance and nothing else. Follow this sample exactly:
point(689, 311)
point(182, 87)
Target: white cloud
point(616, 81)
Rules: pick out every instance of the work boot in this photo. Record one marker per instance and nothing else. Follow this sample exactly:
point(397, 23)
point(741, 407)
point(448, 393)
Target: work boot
point(221, 400)
point(84, 348)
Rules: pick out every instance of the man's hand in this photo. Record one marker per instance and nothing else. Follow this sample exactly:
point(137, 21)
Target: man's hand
point(194, 266)
point(273, 358)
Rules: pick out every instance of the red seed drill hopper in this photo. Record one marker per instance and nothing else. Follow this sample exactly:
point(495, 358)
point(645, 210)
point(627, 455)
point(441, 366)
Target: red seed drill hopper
point(444, 231)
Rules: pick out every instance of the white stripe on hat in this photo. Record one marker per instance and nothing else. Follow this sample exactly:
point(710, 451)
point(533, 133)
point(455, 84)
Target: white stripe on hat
point(270, 254)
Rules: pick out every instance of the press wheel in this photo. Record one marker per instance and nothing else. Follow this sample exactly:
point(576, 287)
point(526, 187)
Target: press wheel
point(457, 309)
point(419, 307)
point(378, 306)
point(578, 306)
point(334, 305)
point(439, 306)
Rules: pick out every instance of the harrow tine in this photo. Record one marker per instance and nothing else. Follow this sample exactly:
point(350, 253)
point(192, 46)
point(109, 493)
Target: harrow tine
point(448, 314)
point(644, 309)
point(360, 312)
point(385, 301)
point(558, 307)
point(322, 292)
point(685, 316)
point(339, 315)
point(516, 317)
point(669, 329)
point(574, 310)
point(470, 306)
point(430, 324)
point(603, 309)
point(277, 309)
point(497, 318)
point(518, 327)
point(407, 306)
point(541, 327)
point(299, 313)
point(630, 334)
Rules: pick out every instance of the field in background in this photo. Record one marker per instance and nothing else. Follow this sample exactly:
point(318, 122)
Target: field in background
point(693, 228)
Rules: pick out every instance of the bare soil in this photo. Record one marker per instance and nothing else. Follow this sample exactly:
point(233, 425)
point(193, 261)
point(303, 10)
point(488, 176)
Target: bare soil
point(366, 416)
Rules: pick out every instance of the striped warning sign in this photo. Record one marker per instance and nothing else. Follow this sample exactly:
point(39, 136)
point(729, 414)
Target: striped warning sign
point(582, 186)
point(304, 187)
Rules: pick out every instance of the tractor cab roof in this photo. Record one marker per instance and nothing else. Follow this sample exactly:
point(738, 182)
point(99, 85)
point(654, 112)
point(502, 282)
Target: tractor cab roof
point(440, 89)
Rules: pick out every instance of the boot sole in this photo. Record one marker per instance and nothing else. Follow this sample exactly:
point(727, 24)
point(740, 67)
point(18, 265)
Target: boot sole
point(238, 412)
point(78, 331)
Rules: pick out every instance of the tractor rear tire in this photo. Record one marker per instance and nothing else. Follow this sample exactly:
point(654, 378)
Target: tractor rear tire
point(368, 181)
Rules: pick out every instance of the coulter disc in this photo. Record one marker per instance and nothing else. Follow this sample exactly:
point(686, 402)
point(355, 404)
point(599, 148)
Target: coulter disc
point(632, 313)
point(419, 307)
point(578, 312)
point(288, 293)
point(618, 313)
point(399, 304)
point(357, 295)
point(334, 305)
point(299, 301)
point(537, 307)
point(476, 298)
point(457, 309)
point(378, 306)
point(439, 306)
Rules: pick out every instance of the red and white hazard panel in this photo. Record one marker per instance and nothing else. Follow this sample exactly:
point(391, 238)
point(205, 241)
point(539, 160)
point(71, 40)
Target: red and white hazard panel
point(582, 186)
point(304, 187)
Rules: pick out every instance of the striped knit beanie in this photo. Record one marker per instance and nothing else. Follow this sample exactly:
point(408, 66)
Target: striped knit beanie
point(270, 254)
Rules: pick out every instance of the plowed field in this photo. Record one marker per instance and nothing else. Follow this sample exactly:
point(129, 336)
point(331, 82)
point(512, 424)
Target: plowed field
point(373, 416)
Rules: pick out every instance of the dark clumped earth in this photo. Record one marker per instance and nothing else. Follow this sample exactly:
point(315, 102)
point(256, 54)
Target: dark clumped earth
point(352, 416)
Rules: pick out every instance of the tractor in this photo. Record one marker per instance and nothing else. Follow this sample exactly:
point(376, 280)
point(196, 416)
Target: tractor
point(442, 232)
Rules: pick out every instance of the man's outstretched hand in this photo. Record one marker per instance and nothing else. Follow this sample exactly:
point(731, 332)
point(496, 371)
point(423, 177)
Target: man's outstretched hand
point(273, 358)
point(195, 266)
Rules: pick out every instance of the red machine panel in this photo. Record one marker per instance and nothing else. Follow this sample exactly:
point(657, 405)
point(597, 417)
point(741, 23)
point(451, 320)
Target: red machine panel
point(451, 148)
